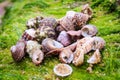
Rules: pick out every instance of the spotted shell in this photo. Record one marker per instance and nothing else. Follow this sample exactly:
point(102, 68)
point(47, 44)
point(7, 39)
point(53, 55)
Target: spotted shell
point(29, 34)
point(45, 32)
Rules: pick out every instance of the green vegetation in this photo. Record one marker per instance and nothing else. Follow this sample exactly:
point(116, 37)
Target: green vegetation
point(14, 24)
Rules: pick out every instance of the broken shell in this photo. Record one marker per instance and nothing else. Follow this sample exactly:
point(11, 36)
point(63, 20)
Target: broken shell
point(64, 38)
point(29, 35)
point(62, 70)
point(66, 56)
point(96, 57)
point(99, 43)
point(50, 44)
point(37, 57)
point(33, 49)
point(89, 30)
point(18, 50)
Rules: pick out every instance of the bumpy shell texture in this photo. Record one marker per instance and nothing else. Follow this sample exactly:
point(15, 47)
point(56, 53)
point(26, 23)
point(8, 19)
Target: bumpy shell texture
point(18, 50)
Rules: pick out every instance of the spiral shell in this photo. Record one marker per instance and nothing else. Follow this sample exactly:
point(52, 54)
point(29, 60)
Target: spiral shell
point(18, 50)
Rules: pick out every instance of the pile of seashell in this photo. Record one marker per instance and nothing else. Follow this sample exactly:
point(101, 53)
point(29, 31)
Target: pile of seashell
point(69, 37)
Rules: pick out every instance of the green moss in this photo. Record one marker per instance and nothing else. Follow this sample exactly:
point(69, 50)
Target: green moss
point(14, 25)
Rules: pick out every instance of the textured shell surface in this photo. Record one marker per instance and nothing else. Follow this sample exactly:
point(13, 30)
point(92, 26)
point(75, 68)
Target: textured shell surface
point(18, 50)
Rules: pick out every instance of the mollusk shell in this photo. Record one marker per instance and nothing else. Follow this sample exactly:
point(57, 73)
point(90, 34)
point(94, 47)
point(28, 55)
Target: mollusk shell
point(95, 58)
point(50, 44)
point(64, 38)
point(29, 35)
point(18, 50)
point(89, 30)
point(62, 70)
point(66, 55)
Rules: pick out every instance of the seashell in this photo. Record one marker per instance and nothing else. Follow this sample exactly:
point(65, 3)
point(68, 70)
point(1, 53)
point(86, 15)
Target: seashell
point(66, 56)
point(70, 14)
point(80, 20)
point(37, 57)
point(45, 32)
point(34, 22)
point(50, 44)
point(87, 10)
point(95, 58)
point(18, 50)
point(51, 22)
point(33, 48)
point(74, 35)
point(29, 35)
point(99, 43)
point(78, 57)
point(89, 30)
point(62, 70)
point(64, 38)
point(83, 46)
point(65, 24)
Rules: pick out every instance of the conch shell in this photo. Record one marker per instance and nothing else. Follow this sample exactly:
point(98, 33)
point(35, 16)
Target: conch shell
point(18, 50)
point(33, 49)
point(89, 30)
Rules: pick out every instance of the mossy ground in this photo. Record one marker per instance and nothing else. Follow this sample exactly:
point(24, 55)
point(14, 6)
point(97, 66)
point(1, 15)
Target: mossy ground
point(14, 24)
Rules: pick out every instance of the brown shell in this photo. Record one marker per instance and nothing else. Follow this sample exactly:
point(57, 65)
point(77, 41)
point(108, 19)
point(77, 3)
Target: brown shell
point(18, 50)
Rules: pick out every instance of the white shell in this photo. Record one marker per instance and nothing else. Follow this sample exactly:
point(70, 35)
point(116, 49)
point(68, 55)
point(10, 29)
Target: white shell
point(62, 75)
point(95, 58)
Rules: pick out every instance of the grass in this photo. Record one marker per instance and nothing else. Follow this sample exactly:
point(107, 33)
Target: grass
point(14, 24)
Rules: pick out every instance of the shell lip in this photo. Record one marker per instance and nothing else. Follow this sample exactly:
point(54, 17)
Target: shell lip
point(60, 74)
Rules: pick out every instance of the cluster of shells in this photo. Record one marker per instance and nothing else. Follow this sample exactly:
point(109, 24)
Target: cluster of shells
point(69, 37)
